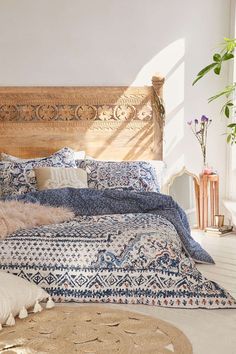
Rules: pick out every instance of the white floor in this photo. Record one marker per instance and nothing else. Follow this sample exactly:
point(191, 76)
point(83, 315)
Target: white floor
point(210, 331)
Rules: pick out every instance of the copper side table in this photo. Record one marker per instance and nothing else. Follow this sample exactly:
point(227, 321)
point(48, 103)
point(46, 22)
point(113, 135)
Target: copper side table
point(208, 195)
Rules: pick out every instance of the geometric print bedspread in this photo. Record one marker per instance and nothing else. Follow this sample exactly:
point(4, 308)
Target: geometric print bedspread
point(132, 258)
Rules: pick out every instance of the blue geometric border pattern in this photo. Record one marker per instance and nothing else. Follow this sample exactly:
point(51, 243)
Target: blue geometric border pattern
point(132, 258)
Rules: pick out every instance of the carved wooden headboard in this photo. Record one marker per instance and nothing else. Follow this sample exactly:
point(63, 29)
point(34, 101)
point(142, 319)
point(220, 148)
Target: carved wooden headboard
point(120, 123)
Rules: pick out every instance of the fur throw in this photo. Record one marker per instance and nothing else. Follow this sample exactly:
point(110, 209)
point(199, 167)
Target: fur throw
point(16, 216)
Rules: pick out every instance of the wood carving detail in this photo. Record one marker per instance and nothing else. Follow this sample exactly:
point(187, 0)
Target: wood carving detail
point(74, 112)
point(108, 122)
point(8, 112)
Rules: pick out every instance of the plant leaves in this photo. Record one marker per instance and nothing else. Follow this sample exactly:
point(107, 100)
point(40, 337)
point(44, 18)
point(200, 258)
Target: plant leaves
point(227, 56)
point(196, 80)
point(232, 136)
point(206, 69)
point(226, 92)
point(228, 139)
point(229, 44)
point(217, 69)
point(227, 111)
point(217, 57)
point(203, 72)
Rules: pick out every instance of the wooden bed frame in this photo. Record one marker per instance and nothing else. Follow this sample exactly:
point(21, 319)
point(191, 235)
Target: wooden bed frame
point(120, 123)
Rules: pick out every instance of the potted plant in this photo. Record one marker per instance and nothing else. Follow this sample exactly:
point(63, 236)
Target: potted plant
point(219, 58)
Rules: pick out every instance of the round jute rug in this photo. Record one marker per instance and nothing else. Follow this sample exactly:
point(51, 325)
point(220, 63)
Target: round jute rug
point(92, 330)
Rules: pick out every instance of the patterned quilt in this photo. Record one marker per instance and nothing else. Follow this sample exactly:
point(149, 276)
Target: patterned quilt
point(127, 258)
point(91, 202)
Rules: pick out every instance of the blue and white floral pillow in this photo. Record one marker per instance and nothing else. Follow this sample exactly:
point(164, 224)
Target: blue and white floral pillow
point(19, 177)
point(136, 175)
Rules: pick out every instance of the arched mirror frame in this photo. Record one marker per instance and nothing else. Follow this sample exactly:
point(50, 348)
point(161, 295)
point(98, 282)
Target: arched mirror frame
point(196, 183)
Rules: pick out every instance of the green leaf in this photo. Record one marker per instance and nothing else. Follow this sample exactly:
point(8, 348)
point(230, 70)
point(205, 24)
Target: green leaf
point(217, 57)
point(232, 125)
point(230, 44)
point(230, 47)
point(196, 80)
point(227, 92)
point(227, 56)
point(203, 72)
point(227, 111)
point(217, 69)
point(228, 139)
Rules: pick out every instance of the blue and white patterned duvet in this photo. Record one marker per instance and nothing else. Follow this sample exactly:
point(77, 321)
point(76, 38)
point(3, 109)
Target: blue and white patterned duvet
point(126, 258)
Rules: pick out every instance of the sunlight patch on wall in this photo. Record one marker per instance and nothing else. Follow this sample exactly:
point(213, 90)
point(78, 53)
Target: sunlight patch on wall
point(164, 63)
point(174, 89)
point(169, 62)
point(174, 131)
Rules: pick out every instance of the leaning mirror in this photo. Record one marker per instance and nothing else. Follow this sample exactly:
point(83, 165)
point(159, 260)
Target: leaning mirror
point(183, 187)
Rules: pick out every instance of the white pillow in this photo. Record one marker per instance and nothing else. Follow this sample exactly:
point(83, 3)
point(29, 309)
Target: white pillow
point(79, 155)
point(160, 167)
point(17, 295)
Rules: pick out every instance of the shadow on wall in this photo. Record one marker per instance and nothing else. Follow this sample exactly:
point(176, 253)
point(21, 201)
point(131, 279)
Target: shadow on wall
point(170, 62)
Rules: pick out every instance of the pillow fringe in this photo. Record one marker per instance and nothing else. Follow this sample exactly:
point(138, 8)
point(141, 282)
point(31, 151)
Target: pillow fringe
point(10, 321)
point(23, 313)
point(50, 304)
point(37, 307)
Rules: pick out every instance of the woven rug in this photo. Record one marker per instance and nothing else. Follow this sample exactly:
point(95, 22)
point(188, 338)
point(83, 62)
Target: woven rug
point(93, 330)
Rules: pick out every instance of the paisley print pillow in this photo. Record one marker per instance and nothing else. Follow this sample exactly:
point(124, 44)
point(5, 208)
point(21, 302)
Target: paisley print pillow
point(19, 177)
point(136, 175)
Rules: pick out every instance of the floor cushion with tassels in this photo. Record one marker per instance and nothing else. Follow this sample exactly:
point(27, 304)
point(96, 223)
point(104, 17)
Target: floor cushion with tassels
point(17, 297)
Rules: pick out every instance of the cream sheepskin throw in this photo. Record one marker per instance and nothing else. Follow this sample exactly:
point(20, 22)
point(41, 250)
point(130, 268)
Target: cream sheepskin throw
point(16, 215)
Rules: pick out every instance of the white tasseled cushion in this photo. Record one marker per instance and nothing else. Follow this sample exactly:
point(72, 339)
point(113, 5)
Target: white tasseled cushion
point(16, 296)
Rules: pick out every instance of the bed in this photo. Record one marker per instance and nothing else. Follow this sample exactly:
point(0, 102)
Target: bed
point(127, 242)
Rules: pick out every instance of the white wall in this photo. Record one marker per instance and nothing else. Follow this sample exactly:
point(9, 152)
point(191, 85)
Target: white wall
point(123, 42)
point(231, 150)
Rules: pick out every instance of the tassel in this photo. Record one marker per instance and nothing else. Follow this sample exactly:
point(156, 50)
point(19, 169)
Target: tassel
point(23, 313)
point(10, 320)
point(37, 307)
point(50, 304)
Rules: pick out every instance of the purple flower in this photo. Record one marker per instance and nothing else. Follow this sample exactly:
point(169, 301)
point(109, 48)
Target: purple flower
point(204, 119)
point(199, 130)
